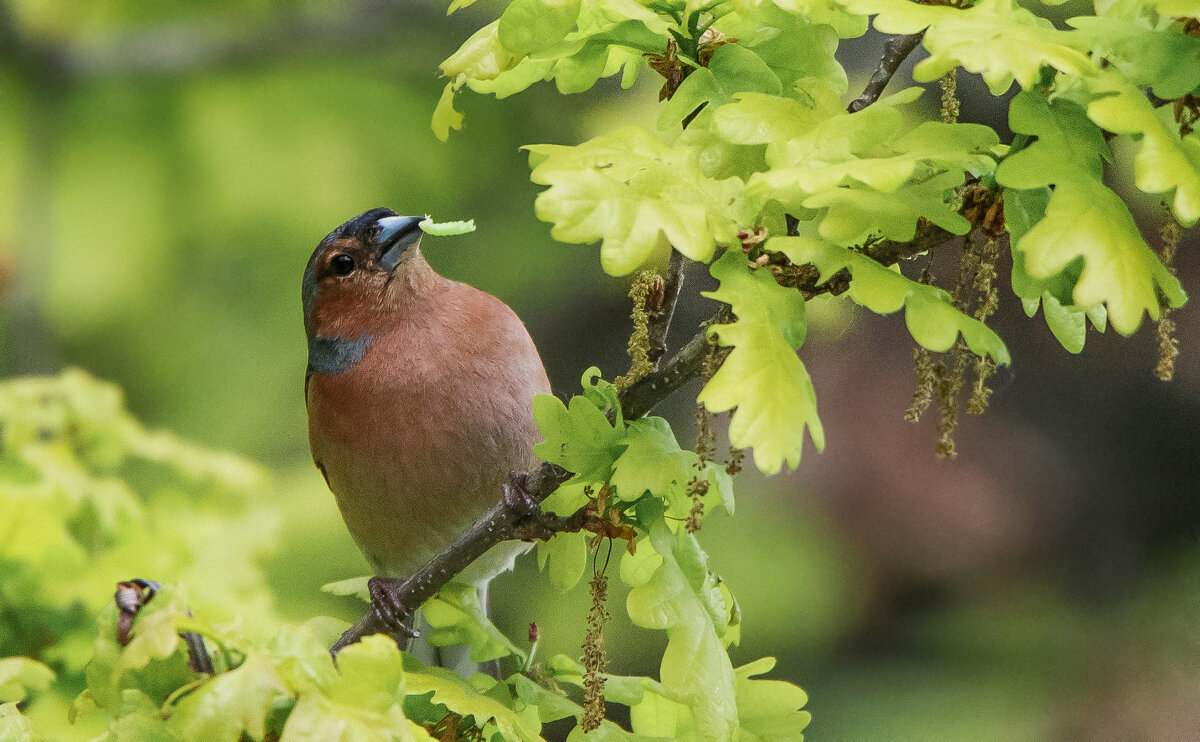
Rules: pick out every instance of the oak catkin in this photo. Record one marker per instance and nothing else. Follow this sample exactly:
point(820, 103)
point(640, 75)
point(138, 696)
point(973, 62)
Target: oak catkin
point(639, 339)
point(950, 107)
point(1168, 343)
point(595, 663)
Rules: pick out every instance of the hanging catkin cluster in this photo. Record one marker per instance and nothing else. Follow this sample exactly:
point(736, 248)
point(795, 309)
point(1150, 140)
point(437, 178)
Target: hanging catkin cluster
point(949, 97)
point(706, 436)
point(706, 443)
point(989, 300)
point(595, 663)
point(733, 465)
point(928, 374)
point(975, 293)
point(646, 285)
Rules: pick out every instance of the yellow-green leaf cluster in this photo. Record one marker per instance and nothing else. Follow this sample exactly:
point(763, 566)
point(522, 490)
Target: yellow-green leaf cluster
point(573, 42)
point(762, 380)
point(929, 313)
point(1085, 224)
point(856, 175)
point(86, 492)
point(1167, 162)
point(636, 195)
point(998, 39)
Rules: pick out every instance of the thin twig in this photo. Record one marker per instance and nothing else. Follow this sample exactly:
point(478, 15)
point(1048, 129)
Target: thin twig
point(660, 320)
point(895, 50)
point(499, 523)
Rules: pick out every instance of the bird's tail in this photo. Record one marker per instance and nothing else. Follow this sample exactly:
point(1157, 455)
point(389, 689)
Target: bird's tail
point(456, 658)
point(500, 558)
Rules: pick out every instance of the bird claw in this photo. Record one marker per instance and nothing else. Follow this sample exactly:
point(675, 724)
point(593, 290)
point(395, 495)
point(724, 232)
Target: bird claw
point(385, 601)
point(517, 497)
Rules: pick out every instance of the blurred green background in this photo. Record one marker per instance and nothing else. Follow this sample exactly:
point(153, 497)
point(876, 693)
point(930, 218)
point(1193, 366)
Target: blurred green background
point(166, 168)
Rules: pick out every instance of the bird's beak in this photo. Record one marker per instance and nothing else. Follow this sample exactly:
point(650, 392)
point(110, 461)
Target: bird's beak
point(397, 234)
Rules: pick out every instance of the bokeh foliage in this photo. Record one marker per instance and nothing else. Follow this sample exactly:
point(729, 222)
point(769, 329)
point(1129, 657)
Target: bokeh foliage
point(84, 497)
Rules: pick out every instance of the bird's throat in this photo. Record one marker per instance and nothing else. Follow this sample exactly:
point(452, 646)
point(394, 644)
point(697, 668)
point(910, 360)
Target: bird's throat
point(335, 355)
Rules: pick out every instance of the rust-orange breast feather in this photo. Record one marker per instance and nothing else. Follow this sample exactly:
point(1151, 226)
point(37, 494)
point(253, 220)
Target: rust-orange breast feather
point(416, 437)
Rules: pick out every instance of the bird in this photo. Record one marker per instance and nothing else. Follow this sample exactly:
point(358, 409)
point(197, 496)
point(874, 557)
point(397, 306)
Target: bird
point(419, 394)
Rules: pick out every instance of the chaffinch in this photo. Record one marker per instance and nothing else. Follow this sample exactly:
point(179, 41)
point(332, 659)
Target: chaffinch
point(419, 393)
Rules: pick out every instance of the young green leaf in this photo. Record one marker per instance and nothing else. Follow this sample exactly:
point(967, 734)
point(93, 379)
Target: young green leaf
point(637, 195)
point(227, 704)
point(154, 659)
point(528, 26)
point(1022, 210)
point(847, 24)
point(138, 718)
point(1166, 162)
point(362, 702)
point(1166, 60)
point(732, 69)
point(792, 48)
point(1084, 220)
point(15, 726)
point(931, 146)
point(514, 79)
point(1067, 143)
point(461, 697)
point(457, 618)
point(996, 38)
point(1068, 323)
point(481, 57)
point(653, 462)
point(1177, 8)
point(929, 313)
point(604, 394)
point(20, 675)
point(762, 377)
point(856, 213)
point(445, 117)
point(769, 709)
point(813, 128)
point(579, 438)
point(566, 553)
point(695, 670)
point(1087, 220)
point(356, 586)
point(755, 118)
point(657, 715)
point(581, 70)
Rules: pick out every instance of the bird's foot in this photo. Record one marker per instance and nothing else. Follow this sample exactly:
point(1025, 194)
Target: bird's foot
point(517, 497)
point(385, 601)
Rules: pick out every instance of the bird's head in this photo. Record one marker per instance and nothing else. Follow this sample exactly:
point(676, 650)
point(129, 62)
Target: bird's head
point(352, 272)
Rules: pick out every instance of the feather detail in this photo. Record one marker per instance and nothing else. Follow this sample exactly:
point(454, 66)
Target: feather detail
point(416, 437)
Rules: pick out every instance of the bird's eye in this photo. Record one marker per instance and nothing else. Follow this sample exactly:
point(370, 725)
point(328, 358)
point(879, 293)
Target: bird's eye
point(342, 264)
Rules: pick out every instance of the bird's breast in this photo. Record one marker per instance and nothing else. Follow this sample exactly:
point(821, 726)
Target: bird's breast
point(415, 437)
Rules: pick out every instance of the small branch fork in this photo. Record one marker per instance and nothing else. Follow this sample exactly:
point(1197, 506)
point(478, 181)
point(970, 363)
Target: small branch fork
point(660, 319)
point(895, 50)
